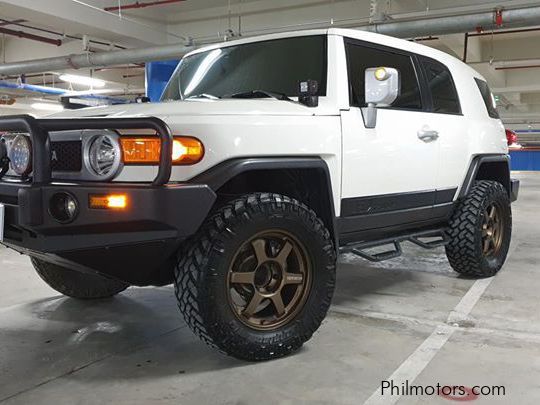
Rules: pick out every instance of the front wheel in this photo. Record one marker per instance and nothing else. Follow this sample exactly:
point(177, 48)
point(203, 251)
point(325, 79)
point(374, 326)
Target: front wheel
point(480, 231)
point(257, 280)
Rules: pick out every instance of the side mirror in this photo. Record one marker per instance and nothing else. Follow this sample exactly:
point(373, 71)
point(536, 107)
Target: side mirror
point(142, 99)
point(382, 88)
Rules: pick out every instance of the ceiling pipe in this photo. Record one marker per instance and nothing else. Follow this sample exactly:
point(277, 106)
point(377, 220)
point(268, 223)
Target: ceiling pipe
point(57, 92)
point(141, 5)
point(98, 59)
point(504, 32)
point(510, 63)
point(6, 22)
point(518, 67)
point(31, 87)
point(522, 17)
point(456, 24)
point(60, 34)
point(26, 35)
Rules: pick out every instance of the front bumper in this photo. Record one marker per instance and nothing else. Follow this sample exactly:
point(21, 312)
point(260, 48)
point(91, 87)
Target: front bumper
point(153, 213)
point(130, 244)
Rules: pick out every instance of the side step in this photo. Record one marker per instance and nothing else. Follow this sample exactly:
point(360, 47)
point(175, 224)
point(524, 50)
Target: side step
point(361, 249)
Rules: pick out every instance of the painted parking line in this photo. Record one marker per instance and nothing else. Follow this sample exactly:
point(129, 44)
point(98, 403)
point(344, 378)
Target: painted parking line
point(411, 368)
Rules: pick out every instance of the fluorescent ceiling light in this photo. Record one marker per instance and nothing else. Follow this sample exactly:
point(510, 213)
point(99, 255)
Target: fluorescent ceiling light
point(84, 80)
point(47, 106)
point(90, 92)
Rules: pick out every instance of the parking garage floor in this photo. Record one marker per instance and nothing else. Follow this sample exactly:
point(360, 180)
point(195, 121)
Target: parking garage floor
point(411, 319)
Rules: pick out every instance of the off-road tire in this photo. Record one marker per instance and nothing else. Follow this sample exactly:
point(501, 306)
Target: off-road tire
point(76, 284)
point(202, 271)
point(464, 250)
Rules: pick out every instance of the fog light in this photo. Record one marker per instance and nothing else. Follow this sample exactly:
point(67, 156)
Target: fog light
point(63, 207)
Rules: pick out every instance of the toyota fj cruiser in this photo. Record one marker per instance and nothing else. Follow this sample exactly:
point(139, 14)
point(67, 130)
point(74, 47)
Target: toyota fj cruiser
point(266, 158)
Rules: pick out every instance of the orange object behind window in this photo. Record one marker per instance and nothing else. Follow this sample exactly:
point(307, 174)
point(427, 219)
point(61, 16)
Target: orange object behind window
point(146, 150)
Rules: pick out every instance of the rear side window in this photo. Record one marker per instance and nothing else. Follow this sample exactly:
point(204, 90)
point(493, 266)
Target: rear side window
point(360, 58)
point(489, 100)
point(444, 96)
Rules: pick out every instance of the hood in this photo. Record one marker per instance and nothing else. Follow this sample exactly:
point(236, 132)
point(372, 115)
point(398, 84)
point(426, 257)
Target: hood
point(201, 107)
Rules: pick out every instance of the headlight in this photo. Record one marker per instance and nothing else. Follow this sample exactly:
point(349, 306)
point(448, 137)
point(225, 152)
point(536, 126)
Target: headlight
point(104, 156)
point(20, 155)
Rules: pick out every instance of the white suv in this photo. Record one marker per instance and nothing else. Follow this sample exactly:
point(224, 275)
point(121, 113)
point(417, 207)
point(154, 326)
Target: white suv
point(266, 158)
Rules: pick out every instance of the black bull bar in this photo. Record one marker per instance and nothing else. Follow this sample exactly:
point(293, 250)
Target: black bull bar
point(38, 130)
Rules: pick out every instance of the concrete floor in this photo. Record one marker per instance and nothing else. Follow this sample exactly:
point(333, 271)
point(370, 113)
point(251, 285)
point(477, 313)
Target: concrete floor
point(407, 319)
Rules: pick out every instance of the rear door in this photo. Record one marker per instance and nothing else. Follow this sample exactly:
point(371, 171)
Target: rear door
point(447, 119)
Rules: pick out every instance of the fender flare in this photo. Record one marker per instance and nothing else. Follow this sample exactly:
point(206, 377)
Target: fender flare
point(474, 167)
point(220, 174)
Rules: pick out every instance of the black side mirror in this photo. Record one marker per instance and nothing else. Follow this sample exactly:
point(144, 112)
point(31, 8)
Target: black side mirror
point(307, 93)
point(143, 99)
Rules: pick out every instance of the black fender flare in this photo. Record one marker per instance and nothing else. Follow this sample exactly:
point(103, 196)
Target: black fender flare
point(225, 171)
point(474, 167)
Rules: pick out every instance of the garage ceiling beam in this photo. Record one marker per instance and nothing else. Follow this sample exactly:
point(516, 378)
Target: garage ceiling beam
point(90, 20)
point(522, 17)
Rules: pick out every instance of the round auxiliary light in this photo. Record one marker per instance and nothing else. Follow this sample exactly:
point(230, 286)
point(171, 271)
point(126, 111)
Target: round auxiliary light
point(104, 155)
point(63, 207)
point(20, 155)
point(381, 74)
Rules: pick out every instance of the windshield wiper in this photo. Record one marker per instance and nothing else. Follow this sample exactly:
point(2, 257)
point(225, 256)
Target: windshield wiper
point(260, 94)
point(203, 95)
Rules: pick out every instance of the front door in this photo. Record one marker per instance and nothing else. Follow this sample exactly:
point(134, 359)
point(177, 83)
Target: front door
point(392, 168)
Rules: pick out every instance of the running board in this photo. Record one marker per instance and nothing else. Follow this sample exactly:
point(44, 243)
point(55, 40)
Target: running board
point(361, 249)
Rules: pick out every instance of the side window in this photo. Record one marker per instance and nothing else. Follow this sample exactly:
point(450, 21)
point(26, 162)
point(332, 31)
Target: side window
point(360, 58)
point(489, 100)
point(441, 85)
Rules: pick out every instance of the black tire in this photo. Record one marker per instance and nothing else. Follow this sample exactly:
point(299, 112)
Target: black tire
point(202, 276)
point(76, 284)
point(469, 251)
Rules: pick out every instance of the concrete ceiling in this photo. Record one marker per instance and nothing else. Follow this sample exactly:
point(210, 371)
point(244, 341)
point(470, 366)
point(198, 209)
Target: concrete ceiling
point(511, 62)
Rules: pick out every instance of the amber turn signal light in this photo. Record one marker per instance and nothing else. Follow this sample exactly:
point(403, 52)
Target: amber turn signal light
point(146, 150)
point(112, 201)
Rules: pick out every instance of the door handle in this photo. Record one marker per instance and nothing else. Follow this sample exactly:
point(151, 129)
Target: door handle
point(428, 135)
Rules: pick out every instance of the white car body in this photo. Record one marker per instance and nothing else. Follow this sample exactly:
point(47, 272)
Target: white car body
point(362, 162)
point(410, 149)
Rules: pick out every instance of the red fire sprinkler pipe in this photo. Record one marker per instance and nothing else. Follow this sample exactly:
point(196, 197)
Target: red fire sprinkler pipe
point(142, 5)
point(26, 35)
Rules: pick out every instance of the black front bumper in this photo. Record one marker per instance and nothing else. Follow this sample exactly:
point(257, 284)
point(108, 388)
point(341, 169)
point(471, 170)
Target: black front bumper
point(172, 211)
point(132, 244)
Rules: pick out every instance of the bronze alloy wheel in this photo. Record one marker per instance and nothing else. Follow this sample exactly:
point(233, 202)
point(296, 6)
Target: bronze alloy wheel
point(492, 230)
point(269, 280)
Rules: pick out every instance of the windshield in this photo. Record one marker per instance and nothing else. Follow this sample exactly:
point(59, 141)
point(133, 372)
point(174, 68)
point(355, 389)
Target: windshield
point(274, 66)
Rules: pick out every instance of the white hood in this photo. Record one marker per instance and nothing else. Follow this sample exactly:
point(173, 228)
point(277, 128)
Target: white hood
point(199, 107)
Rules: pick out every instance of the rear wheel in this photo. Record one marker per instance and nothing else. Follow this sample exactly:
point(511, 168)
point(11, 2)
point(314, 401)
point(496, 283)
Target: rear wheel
point(257, 280)
point(76, 284)
point(480, 231)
